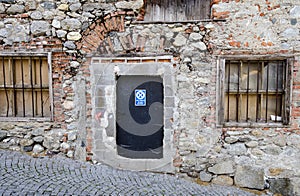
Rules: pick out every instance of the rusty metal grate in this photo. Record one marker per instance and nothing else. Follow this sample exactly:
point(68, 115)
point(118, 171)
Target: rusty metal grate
point(24, 87)
point(255, 91)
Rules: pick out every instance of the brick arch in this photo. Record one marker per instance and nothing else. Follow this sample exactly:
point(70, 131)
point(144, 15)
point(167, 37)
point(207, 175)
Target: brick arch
point(95, 39)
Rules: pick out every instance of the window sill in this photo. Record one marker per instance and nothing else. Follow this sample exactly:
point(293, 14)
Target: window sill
point(173, 22)
point(254, 125)
point(25, 119)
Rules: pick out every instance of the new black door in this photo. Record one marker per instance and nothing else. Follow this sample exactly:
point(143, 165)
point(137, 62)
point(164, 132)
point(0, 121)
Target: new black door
point(140, 117)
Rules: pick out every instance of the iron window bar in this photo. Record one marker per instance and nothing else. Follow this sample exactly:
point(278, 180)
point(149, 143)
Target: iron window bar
point(257, 91)
point(14, 86)
point(5, 88)
point(248, 83)
point(41, 86)
point(228, 90)
point(32, 88)
point(23, 89)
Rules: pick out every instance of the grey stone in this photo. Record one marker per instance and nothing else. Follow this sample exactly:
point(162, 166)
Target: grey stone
point(39, 27)
point(257, 152)
point(135, 5)
point(30, 5)
point(51, 142)
point(74, 36)
point(200, 45)
point(8, 1)
point(209, 26)
point(249, 177)
point(38, 132)
point(48, 15)
point(205, 177)
point(70, 154)
point(68, 105)
point(69, 45)
point(38, 139)
point(89, 7)
point(74, 1)
point(36, 15)
point(2, 9)
point(4, 33)
point(26, 142)
point(3, 135)
point(38, 149)
point(280, 141)
point(27, 148)
point(48, 5)
point(75, 7)
point(223, 180)
point(4, 145)
point(65, 146)
point(293, 140)
point(71, 24)
point(61, 33)
point(281, 186)
point(231, 140)
point(295, 11)
point(15, 9)
point(195, 36)
point(290, 33)
point(56, 24)
point(272, 149)
point(225, 167)
point(15, 148)
point(237, 149)
point(180, 40)
point(252, 144)
point(72, 136)
point(293, 21)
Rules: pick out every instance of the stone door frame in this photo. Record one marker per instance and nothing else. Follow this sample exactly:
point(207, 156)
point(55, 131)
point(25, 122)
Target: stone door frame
point(104, 72)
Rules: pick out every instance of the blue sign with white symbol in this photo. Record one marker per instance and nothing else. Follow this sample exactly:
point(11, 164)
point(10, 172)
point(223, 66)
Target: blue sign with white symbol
point(140, 97)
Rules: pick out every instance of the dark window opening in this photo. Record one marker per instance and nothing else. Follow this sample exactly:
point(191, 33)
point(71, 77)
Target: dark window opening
point(24, 87)
point(177, 10)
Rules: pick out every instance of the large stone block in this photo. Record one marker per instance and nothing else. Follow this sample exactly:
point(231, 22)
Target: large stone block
point(281, 186)
point(39, 27)
point(223, 180)
point(249, 177)
point(3, 135)
point(237, 149)
point(71, 24)
point(295, 12)
point(15, 9)
point(222, 168)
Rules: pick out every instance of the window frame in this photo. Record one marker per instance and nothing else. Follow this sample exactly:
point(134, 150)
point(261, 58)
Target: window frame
point(220, 88)
point(48, 56)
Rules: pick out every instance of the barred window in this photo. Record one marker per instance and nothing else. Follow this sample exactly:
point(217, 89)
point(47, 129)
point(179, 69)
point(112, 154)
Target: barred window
point(177, 10)
point(255, 92)
point(24, 87)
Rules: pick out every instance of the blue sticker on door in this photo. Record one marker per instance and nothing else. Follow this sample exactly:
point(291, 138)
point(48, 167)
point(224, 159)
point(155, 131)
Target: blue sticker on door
point(140, 97)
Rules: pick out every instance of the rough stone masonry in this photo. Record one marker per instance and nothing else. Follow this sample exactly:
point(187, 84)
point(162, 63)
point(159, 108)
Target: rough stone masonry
point(92, 41)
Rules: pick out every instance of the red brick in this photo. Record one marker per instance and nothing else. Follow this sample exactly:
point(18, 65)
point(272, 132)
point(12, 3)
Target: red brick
point(220, 15)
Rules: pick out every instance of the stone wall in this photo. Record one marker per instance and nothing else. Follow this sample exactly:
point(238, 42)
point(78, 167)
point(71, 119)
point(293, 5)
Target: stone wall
point(75, 31)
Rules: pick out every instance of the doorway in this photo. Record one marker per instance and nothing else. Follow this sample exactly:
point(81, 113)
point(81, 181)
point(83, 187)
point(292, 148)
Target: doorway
point(140, 117)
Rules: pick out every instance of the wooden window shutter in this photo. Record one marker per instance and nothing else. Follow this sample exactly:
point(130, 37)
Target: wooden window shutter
point(177, 10)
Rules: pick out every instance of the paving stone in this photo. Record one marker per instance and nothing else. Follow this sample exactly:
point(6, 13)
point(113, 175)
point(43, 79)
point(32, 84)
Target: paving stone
point(61, 176)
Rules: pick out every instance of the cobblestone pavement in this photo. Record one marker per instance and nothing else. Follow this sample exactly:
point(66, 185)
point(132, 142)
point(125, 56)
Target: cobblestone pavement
point(21, 174)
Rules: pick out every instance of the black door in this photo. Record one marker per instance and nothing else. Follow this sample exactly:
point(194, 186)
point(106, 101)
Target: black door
point(140, 117)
